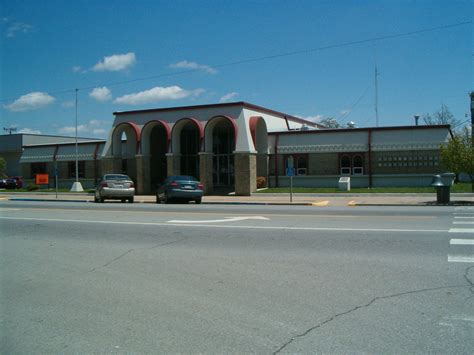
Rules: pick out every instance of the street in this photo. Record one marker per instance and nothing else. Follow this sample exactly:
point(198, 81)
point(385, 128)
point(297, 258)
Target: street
point(84, 277)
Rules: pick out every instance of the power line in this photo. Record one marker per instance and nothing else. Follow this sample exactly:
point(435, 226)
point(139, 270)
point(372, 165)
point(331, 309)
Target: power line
point(263, 58)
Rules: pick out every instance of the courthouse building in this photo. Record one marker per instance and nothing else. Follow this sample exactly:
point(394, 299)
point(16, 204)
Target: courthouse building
point(228, 146)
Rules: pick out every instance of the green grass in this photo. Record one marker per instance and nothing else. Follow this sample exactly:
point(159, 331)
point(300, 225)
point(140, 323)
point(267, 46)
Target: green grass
point(49, 190)
point(460, 187)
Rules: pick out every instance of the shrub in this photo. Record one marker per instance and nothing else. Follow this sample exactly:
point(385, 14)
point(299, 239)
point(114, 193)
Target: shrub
point(261, 182)
point(32, 187)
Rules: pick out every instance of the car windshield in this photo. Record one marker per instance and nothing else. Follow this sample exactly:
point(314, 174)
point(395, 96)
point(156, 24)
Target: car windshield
point(116, 177)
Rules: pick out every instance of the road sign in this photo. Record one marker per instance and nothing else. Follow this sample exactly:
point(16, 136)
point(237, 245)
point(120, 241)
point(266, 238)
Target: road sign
point(290, 171)
point(42, 179)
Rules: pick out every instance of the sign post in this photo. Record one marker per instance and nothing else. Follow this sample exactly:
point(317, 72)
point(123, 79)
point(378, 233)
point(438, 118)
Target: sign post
point(290, 171)
point(56, 173)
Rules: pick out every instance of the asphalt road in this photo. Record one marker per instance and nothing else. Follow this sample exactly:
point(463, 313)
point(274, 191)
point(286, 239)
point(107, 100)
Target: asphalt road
point(82, 277)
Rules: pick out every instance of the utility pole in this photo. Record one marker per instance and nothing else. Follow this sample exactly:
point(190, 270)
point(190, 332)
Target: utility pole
point(472, 134)
point(376, 92)
point(77, 187)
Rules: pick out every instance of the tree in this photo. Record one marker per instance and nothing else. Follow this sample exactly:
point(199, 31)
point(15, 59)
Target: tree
point(330, 122)
point(458, 154)
point(3, 167)
point(442, 116)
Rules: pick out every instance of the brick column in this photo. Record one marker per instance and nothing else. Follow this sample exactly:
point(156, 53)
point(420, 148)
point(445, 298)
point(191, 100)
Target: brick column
point(205, 171)
point(245, 173)
point(174, 163)
point(111, 165)
point(262, 165)
point(143, 175)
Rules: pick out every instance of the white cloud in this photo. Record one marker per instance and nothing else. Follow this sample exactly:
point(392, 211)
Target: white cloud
point(157, 94)
point(31, 101)
point(101, 94)
point(345, 112)
point(228, 97)
point(116, 62)
point(68, 104)
point(93, 127)
point(17, 27)
point(184, 64)
point(78, 69)
point(316, 118)
point(29, 131)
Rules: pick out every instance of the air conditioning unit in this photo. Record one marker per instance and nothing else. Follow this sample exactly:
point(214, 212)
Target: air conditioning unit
point(345, 171)
point(358, 171)
point(301, 171)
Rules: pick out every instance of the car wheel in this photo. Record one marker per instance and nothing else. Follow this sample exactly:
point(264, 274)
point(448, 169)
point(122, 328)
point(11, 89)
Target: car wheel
point(198, 201)
point(130, 200)
point(165, 199)
point(123, 200)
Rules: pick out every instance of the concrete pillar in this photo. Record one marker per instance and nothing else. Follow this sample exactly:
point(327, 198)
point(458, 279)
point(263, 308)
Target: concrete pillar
point(262, 165)
point(143, 175)
point(111, 165)
point(205, 171)
point(174, 163)
point(245, 173)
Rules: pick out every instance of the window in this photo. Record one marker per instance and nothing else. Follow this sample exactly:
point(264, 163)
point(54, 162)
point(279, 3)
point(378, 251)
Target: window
point(353, 163)
point(300, 163)
point(71, 168)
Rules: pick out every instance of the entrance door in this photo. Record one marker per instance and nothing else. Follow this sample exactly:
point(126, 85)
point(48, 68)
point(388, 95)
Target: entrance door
point(223, 142)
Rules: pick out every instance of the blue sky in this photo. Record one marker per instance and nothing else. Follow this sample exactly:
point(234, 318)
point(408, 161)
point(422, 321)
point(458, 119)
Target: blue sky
point(53, 46)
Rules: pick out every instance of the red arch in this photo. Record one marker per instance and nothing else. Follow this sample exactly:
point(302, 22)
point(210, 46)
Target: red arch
point(230, 119)
point(253, 128)
point(195, 121)
point(166, 127)
point(136, 130)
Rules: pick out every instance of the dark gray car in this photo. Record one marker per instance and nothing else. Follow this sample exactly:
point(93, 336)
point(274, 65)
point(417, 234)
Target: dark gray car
point(180, 187)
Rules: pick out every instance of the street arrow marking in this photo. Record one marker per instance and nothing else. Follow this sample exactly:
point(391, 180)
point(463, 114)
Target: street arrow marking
point(227, 219)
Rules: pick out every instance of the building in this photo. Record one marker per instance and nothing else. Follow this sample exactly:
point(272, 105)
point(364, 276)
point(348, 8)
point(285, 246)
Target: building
point(228, 146)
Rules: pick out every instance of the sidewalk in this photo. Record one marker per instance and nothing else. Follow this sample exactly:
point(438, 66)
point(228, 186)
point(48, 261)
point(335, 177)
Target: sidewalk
point(317, 200)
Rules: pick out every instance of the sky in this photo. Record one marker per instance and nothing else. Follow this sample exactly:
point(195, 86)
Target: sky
point(128, 55)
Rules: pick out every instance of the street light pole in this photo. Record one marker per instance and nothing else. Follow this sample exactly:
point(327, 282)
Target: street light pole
point(76, 186)
point(472, 133)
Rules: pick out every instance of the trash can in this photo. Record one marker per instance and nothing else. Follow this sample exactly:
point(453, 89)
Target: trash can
point(442, 189)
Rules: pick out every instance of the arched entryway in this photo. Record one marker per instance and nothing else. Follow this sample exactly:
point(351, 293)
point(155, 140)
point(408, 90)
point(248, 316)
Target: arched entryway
point(156, 136)
point(220, 140)
point(187, 136)
point(125, 142)
point(258, 131)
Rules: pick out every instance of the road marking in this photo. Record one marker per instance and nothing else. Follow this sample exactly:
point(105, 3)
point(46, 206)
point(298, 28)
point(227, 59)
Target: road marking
point(460, 259)
point(461, 242)
point(352, 203)
point(320, 203)
point(464, 208)
point(227, 219)
point(463, 222)
point(4, 209)
point(465, 217)
point(461, 230)
point(164, 224)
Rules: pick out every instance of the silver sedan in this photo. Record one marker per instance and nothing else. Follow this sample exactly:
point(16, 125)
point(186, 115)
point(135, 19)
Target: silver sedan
point(115, 187)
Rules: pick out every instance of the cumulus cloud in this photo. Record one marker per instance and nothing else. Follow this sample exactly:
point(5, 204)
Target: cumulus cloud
point(116, 62)
point(68, 104)
point(101, 94)
point(17, 27)
point(316, 118)
point(184, 64)
point(93, 128)
point(31, 101)
point(157, 94)
point(29, 131)
point(228, 97)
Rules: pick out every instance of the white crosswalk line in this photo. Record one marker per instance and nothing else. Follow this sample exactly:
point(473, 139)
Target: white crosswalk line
point(461, 230)
point(463, 222)
point(464, 217)
point(460, 259)
point(461, 242)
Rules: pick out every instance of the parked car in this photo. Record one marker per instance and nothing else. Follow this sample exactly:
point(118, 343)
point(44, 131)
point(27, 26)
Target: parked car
point(180, 187)
point(14, 182)
point(115, 187)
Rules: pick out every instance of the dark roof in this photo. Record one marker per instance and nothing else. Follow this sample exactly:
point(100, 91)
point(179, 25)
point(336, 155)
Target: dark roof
point(388, 128)
point(226, 104)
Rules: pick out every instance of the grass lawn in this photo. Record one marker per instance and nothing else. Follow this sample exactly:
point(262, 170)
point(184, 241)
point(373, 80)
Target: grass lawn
point(460, 187)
